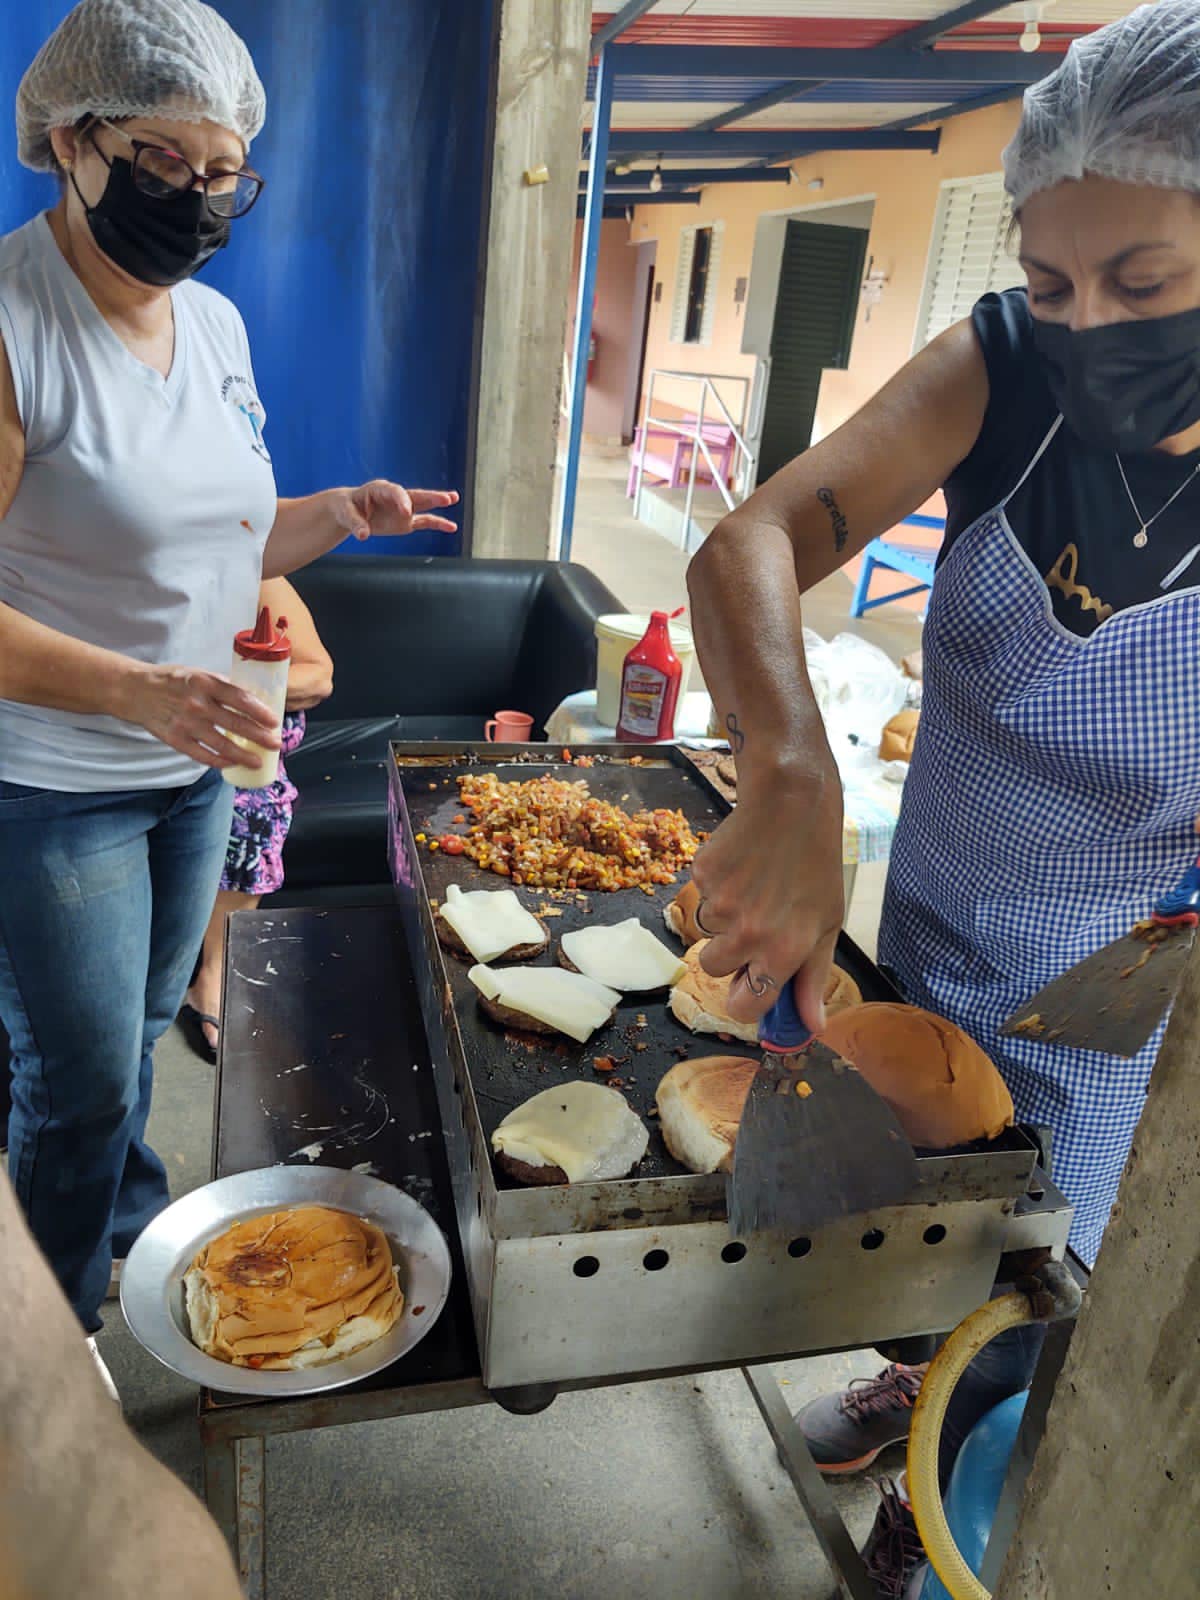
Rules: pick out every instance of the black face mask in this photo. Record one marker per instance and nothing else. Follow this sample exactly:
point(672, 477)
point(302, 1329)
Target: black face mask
point(1127, 386)
point(156, 241)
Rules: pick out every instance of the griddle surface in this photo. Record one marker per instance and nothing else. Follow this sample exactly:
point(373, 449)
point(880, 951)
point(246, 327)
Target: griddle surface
point(507, 1067)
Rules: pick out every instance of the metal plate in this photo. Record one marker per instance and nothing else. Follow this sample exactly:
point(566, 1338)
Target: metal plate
point(152, 1283)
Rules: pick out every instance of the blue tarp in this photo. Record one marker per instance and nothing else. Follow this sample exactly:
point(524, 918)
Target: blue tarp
point(358, 271)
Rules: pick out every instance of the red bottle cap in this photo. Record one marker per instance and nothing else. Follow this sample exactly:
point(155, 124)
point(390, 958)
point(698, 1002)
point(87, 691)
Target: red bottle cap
point(263, 642)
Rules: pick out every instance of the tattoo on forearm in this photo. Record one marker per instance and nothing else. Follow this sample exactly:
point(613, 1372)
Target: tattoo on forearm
point(841, 528)
point(737, 739)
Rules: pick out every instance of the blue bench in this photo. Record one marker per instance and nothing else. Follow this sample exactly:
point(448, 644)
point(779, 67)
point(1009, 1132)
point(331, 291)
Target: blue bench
point(915, 561)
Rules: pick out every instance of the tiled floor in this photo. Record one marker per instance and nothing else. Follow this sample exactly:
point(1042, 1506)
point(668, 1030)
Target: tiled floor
point(670, 1490)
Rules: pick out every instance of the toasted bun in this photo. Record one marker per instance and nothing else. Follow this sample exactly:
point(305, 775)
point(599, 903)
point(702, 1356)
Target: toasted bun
point(841, 991)
point(701, 1002)
point(680, 915)
point(450, 940)
point(699, 1107)
point(942, 1087)
point(292, 1289)
point(899, 736)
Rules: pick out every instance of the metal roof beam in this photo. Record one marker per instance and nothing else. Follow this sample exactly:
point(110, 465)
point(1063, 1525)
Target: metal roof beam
point(878, 64)
point(957, 108)
point(625, 18)
point(690, 177)
point(783, 144)
point(618, 205)
point(921, 33)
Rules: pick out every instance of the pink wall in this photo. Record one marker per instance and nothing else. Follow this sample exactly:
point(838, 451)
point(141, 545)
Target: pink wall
point(612, 325)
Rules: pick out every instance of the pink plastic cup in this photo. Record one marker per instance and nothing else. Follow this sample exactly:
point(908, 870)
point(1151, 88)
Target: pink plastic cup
point(509, 727)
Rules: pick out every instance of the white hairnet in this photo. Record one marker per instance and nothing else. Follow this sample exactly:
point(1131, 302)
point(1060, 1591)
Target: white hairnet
point(137, 58)
point(1125, 104)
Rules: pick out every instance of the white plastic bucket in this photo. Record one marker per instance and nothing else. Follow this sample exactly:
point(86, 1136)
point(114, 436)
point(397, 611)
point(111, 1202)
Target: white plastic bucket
point(616, 636)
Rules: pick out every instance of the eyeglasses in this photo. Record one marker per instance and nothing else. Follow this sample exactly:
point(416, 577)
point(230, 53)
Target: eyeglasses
point(164, 175)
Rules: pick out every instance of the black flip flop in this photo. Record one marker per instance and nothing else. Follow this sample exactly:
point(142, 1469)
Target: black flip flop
point(191, 1020)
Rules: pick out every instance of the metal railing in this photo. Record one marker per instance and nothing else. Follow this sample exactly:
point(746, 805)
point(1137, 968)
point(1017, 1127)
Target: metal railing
point(744, 461)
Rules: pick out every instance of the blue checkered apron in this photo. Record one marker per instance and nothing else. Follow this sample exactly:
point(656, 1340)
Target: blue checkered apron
point(1051, 800)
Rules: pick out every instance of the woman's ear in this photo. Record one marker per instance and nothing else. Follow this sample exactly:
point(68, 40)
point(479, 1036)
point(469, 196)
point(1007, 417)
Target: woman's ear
point(65, 144)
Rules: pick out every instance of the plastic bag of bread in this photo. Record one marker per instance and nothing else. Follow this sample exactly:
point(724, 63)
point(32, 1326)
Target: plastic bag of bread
point(899, 735)
point(944, 1090)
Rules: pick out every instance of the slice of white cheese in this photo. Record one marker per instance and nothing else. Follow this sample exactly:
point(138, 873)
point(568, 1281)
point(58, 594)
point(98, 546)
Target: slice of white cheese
point(568, 1001)
point(490, 923)
point(626, 957)
point(587, 1130)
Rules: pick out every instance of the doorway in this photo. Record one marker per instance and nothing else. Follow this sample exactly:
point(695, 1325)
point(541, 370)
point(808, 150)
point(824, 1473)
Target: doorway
point(643, 303)
point(820, 277)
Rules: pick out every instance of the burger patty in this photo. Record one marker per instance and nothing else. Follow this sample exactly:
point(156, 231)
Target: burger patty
point(449, 940)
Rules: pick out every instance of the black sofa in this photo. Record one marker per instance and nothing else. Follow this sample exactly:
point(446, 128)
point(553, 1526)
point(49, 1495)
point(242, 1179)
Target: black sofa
point(422, 649)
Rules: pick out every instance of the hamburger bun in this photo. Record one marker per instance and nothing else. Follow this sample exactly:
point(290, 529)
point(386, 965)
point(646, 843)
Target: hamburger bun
point(699, 1107)
point(680, 915)
point(944, 1090)
point(292, 1289)
point(899, 736)
point(701, 1002)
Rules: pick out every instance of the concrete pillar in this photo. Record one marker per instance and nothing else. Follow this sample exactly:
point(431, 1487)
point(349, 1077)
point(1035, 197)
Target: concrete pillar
point(541, 78)
point(1112, 1505)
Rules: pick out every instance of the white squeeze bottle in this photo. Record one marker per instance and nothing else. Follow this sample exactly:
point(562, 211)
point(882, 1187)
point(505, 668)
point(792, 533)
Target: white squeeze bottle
point(261, 658)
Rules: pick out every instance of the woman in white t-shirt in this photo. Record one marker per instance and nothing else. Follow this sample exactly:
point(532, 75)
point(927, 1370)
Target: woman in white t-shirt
point(138, 516)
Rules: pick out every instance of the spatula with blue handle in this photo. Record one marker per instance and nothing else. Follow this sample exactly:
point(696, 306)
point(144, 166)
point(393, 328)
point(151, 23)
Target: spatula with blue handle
point(815, 1141)
point(1112, 1001)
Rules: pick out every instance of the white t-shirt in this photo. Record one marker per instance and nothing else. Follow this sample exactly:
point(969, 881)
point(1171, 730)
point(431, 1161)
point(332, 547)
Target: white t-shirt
point(143, 508)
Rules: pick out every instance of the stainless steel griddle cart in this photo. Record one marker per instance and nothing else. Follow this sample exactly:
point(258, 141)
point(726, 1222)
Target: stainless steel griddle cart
point(575, 1287)
point(642, 1275)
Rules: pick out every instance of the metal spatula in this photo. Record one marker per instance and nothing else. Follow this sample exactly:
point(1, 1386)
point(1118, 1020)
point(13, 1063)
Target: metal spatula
point(1113, 1000)
point(815, 1141)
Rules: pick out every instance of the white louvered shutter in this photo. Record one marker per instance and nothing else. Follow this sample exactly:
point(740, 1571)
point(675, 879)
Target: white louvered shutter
point(970, 255)
point(683, 278)
point(710, 284)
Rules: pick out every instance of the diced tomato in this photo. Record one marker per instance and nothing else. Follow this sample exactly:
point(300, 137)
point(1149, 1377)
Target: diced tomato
point(452, 844)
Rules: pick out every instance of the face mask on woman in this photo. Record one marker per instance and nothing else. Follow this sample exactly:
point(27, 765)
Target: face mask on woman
point(157, 241)
point(1127, 386)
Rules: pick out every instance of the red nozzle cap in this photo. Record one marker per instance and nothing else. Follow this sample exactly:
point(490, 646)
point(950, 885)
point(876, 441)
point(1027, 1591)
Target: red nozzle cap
point(264, 642)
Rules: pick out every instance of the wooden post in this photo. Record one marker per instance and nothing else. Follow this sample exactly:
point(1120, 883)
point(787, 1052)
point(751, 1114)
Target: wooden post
point(541, 77)
point(1112, 1505)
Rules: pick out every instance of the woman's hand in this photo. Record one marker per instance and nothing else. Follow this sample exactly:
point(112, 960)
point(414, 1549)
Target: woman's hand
point(380, 507)
point(772, 893)
point(188, 709)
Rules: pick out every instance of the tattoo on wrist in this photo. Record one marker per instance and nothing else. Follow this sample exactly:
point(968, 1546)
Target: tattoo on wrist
point(737, 739)
point(841, 528)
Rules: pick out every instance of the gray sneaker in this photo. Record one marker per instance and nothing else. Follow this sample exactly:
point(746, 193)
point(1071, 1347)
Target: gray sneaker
point(846, 1431)
point(894, 1553)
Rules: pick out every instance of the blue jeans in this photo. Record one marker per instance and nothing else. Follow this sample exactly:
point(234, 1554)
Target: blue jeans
point(104, 899)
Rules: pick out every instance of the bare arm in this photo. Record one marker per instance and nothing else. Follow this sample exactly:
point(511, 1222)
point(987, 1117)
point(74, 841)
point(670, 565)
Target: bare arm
point(84, 1509)
point(39, 666)
point(312, 526)
point(772, 875)
point(310, 676)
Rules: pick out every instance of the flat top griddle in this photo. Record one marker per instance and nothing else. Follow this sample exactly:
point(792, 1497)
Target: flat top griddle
point(507, 1067)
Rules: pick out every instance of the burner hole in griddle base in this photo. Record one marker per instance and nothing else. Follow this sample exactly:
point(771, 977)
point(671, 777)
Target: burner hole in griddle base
point(872, 1239)
point(733, 1252)
point(799, 1247)
point(586, 1267)
point(934, 1234)
point(655, 1260)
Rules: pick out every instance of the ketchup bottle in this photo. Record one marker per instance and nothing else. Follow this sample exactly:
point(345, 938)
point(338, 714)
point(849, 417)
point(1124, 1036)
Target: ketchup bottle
point(261, 658)
point(650, 683)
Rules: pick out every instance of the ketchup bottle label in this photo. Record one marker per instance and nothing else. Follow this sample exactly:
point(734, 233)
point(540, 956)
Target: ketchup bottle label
point(643, 690)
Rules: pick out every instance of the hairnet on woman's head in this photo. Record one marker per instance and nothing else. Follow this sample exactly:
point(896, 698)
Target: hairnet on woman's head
point(137, 58)
point(1125, 104)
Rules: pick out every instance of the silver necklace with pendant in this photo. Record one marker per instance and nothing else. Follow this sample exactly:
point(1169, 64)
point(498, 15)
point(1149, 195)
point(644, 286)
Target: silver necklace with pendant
point(1142, 537)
